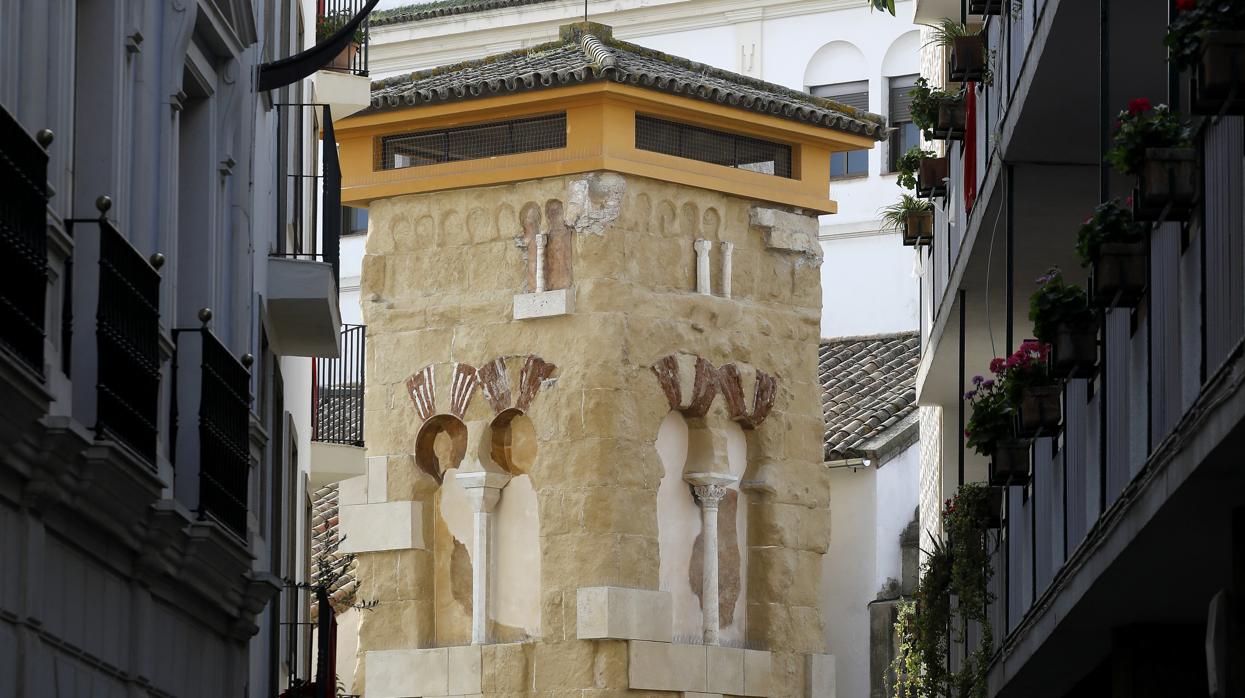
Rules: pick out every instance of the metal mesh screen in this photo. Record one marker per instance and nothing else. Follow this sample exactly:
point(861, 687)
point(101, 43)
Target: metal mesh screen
point(716, 147)
point(474, 142)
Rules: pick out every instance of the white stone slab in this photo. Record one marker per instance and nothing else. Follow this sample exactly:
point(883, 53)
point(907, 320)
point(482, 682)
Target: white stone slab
point(662, 666)
point(821, 676)
point(544, 304)
point(624, 614)
point(352, 491)
point(384, 526)
point(726, 670)
point(756, 672)
point(405, 673)
point(464, 667)
point(377, 479)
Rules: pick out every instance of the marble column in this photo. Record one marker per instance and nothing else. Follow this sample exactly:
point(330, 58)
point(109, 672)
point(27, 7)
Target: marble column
point(728, 249)
point(483, 490)
point(709, 489)
point(702, 248)
point(541, 242)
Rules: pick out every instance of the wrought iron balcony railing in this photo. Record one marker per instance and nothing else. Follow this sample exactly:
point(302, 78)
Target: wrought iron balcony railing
point(333, 15)
point(127, 334)
point(221, 443)
point(23, 242)
point(337, 391)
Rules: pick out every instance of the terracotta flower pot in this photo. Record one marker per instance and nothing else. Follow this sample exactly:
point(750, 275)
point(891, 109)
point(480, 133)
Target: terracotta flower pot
point(968, 58)
point(1120, 274)
point(985, 7)
point(994, 507)
point(1039, 412)
point(952, 120)
point(1218, 80)
point(919, 229)
point(1009, 464)
point(1167, 185)
point(344, 61)
point(931, 178)
point(1074, 351)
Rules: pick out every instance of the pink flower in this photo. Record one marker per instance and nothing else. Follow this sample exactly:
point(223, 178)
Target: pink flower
point(996, 365)
point(1186, 5)
point(1139, 106)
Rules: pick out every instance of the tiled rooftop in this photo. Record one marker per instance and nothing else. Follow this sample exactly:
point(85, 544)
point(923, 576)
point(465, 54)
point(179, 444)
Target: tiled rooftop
point(442, 8)
point(589, 53)
point(327, 564)
point(868, 385)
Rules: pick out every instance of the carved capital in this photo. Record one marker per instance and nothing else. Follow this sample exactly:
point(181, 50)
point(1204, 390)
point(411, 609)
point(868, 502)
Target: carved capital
point(709, 496)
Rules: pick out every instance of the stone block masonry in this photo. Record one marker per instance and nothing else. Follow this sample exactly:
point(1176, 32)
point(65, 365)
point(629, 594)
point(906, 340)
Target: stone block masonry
point(567, 405)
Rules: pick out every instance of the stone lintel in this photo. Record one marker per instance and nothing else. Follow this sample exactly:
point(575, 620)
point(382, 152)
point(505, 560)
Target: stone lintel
point(697, 669)
point(788, 232)
point(560, 301)
point(617, 613)
point(381, 526)
point(436, 671)
point(821, 676)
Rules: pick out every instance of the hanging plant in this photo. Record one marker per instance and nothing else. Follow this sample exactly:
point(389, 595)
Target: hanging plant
point(907, 667)
point(1187, 32)
point(966, 49)
point(966, 519)
point(1142, 127)
point(993, 418)
point(329, 24)
point(933, 618)
point(1063, 319)
point(912, 217)
point(938, 113)
point(1113, 244)
point(909, 164)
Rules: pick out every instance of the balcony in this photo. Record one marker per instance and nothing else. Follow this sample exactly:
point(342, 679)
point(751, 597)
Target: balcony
point(211, 421)
point(337, 411)
point(302, 305)
point(115, 370)
point(23, 243)
point(1132, 495)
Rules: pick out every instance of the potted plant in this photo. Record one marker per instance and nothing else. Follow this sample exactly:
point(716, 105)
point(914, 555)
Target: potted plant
point(908, 166)
point(1153, 145)
point(966, 48)
point(991, 429)
point(1063, 320)
point(1208, 37)
point(912, 217)
point(938, 113)
point(328, 25)
point(1031, 389)
point(1113, 245)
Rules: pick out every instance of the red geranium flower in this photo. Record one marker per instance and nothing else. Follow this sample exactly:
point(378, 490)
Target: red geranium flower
point(1185, 5)
point(1139, 106)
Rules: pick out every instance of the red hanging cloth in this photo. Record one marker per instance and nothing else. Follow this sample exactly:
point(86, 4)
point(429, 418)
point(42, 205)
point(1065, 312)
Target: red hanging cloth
point(970, 146)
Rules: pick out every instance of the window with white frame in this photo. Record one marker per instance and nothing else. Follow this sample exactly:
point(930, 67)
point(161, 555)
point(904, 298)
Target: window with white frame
point(851, 163)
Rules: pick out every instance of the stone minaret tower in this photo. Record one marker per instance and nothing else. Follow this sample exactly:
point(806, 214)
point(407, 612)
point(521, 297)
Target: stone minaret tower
point(593, 423)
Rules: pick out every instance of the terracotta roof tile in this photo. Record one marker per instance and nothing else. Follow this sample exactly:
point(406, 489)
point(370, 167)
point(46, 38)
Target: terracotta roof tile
point(868, 385)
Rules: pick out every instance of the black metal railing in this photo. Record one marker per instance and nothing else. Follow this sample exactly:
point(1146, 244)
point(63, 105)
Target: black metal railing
point(337, 391)
point(331, 196)
point(127, 332)
point(23, 242)
point(332, 16)
point(224, 427)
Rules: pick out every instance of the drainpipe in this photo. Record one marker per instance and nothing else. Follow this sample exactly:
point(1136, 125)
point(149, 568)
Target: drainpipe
point(709, 489)
point(483, 490)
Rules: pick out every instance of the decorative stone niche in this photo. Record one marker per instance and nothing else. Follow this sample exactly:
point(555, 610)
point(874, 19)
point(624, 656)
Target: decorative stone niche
point(548, 241)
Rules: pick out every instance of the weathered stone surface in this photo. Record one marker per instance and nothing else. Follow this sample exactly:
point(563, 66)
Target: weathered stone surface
point(439, 285)
point(623, 614)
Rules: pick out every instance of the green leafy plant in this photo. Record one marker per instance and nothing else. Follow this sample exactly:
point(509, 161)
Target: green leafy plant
point(909, 164)
point(907, 667)
point(883, 5)
point(992, 418)
point(895, 216)
point(1110, 222)
point(925, 104)
point(947, 30)
point(1184, 34)
point(965, 519)
point(1140, 127)
point(1057, 301)
point(933, 617)
point(329, 24)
